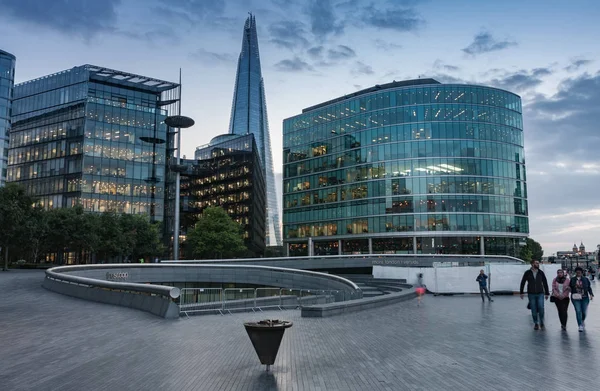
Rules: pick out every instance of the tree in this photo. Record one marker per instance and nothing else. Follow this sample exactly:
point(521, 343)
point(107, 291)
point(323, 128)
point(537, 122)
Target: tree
point(215, 236)
point(531, 251)
point(15, 209)
point(141, 238)
point(35, 232)
point(525, 254)
point(111, 241)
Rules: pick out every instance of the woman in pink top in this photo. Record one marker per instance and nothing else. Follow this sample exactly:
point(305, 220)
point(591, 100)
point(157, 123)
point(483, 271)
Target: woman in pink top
point(560, 296)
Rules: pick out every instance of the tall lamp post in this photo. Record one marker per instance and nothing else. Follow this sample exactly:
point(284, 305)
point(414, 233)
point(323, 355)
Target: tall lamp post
point(179, 122)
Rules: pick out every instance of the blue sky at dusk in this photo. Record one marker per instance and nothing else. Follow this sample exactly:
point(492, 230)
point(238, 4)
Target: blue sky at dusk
point(311, 51)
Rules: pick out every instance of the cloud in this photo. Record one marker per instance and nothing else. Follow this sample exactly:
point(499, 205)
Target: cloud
point(399, 19)
point(288, 34)
point(386, 46)
point(323, 20)
point(84, 18)
point(293, 65)
point(439, 65)
point(563, 163)
point(197, 8)
point(316, 51)
point(341, 52)
point(576, 64)
point(208, 57)
point(361, 68)
point(521, 80)
point(485, 43)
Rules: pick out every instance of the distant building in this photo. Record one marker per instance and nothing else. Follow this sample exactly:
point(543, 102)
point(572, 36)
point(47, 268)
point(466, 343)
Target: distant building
point(227, 173)
point(406, 167)
point(7, 77)
point(94, 137)
point(577, 253)
point(249, 116)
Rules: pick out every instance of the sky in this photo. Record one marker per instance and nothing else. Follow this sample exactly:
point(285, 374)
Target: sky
point(547, 51)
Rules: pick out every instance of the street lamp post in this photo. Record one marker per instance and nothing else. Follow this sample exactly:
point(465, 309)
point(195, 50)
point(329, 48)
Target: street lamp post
point(179, 122)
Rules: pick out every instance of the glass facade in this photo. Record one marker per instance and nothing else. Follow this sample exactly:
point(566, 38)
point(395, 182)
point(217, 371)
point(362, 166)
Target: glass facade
point(7, 78)
point(227, 173)
point(407, 167)
point(249, 116)
point(92, 136)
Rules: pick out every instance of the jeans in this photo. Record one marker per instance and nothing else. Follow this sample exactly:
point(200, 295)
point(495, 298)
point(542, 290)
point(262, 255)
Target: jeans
point(484, 289)
point(536, 302)
point(581, 309)
point(562, 306)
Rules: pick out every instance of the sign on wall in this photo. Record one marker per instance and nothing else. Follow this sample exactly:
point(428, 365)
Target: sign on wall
point(121, 276)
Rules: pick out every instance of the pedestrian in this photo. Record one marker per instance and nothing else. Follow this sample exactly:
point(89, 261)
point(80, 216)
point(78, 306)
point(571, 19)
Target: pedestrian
point(420, 289)
point(537, 289)
point(420, 293)
point(483, 285)
point(581, 294)
point(560, 296)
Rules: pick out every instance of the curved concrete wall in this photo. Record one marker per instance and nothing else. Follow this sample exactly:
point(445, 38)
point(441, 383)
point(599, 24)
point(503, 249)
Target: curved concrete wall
point(130, 285)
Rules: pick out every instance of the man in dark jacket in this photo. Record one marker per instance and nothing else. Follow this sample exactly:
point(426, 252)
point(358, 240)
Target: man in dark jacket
point(483, 285)
point(537, 288)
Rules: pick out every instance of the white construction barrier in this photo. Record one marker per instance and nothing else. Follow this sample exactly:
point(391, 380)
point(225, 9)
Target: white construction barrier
point(462, 279)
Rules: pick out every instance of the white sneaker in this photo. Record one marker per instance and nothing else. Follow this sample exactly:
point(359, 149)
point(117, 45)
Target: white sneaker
point(580, 328)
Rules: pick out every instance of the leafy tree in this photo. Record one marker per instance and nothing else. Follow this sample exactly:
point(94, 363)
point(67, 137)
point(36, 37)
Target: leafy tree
point(532, 250)
point(15, 209)
point(536, 249)
point(59, 231)
point(141, 238)
point(111, 241)
point(526, 254)
point(35, 232)
point(215, 236)
point(85, 236)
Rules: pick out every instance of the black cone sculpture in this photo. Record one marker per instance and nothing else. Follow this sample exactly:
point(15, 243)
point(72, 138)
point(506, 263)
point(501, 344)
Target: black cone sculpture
point(266, 338)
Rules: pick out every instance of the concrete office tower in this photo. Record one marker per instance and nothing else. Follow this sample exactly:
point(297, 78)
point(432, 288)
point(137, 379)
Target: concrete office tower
point(249, 116)
point(7, 77)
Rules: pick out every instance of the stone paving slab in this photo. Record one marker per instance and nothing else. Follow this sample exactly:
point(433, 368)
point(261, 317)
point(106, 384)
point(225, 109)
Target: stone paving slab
point(54, 342)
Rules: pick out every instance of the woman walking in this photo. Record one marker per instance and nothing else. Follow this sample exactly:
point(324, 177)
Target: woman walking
point(581, 294)
point(560, 296)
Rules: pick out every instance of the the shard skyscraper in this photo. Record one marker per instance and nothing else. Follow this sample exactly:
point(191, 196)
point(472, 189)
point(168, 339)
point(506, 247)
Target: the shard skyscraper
point(249, 115)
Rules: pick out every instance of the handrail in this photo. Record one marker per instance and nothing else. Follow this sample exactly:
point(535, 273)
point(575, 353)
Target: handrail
point(58, 273)
point(173, 292)
point(474, 256)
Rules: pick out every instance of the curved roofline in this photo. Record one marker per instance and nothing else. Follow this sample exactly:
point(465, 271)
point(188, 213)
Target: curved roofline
point(398, 84)
point(2, 52)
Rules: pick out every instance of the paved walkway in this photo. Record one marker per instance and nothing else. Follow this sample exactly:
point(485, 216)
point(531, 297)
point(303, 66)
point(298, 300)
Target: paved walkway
point(53, 342)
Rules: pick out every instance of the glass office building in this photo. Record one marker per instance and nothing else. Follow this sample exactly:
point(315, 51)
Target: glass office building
point(93, 136)
point(407, 167)
point(7, 78)
point(227, 173)
point(249, 116)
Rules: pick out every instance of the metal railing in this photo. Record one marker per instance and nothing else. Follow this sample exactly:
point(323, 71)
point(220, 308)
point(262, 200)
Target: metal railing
point(229, 300)
point(197, 300)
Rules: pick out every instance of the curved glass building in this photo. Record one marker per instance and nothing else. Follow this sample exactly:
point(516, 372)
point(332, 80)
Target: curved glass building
point(7, 78)
point(407, 167)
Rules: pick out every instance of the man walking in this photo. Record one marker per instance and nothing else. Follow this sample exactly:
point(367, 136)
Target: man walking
point(537, 288)
point(483, 285)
